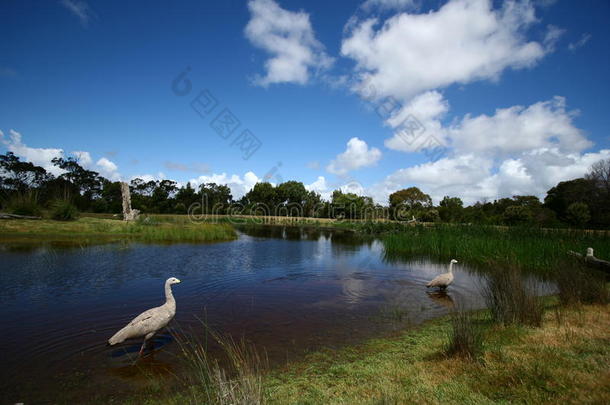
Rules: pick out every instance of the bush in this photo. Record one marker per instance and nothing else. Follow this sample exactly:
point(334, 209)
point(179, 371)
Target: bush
point(24, 205)
point(62, 210)
point(578, 284)
point(465, 337)
point(510, 300)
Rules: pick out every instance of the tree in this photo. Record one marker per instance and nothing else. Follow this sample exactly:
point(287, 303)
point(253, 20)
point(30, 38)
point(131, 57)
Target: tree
point(578, 214)
point(517, 215)
point(218, 197)
point(451, 209)
point(599, 174)
point(264, 195)
point(411, 197)
point(350, 205)
point(560, 197)
point(21, 176)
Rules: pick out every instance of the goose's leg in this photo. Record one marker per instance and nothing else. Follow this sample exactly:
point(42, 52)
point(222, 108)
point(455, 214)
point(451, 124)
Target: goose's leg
point(145, 341)
point(142, 348)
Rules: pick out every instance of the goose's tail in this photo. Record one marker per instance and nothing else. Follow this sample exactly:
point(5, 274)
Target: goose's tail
point(119, 337)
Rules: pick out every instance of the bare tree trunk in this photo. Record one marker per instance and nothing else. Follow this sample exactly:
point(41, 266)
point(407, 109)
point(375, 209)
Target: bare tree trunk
point(128, 213)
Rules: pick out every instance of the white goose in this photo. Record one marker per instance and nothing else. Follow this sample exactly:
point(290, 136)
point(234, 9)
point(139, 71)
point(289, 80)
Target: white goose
point(443, 280)
point(149, 322)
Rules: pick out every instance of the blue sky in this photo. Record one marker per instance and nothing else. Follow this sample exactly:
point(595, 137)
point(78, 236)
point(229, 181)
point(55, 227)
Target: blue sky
point(508, 97)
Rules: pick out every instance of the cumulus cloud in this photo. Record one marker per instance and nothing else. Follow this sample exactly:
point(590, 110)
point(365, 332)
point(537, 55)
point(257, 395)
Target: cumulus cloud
point(80, 9)
point(43, 157)
point(463, 41)
point(356, 156)
point(38, 156)
point(418, 120)
point(239, 185)
point(519, 129)
point(108, 169)
point(289, 39)
point(475, 178)
point(83, 158)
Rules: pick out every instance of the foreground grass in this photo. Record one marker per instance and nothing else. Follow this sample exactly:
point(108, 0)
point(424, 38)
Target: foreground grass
point(565, 361)
point(92, 230)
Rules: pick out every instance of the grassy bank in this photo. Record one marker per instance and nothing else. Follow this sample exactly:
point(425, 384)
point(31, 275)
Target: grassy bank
point(528, 248)
point(91, 230)
point(566, 360)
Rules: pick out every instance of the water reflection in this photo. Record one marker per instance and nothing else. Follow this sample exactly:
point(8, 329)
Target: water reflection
point(288, 290)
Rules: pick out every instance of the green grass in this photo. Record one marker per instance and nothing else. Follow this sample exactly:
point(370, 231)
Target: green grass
point(528, 248)
point(566, 361)
point(92, 230)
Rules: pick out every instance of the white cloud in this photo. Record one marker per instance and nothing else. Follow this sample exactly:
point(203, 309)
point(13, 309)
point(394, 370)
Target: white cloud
point(475, 178)
point(356, 156)
point(318, 186)
point(519, 129)
point(108, 169)
point(463, 41)
point(289, 38)
point(239, 186)
point(422, 115)
point(80, 9)
point(572, 46)
point(38, 156)
point(84, 158)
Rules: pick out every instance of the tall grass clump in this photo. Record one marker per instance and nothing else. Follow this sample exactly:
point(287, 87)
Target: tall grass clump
point(24, 204)
point(510, 300)
point(532, 249)
point(63, 210)
point(240, 382)
point(465, 336)
point(578, 284)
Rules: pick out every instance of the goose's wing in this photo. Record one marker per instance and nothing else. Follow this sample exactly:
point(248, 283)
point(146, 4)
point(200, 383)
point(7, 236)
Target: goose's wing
point(143, 324)
point(440, 280)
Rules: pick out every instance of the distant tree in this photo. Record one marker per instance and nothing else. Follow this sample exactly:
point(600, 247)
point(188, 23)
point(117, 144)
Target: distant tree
point(599, 174)
point(350, 205)
point(218, 197)
point(411, 197)
point(560, 197)
point(21, 176)
point(517, 215)
point(578, 214)
point(451, 209)
point(264, 195)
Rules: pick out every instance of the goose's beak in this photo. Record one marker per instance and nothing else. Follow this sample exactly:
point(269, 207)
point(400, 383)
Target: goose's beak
point(178, 281)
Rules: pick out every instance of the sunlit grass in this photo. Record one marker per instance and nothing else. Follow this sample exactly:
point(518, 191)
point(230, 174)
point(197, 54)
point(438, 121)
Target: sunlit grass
point(95, 229)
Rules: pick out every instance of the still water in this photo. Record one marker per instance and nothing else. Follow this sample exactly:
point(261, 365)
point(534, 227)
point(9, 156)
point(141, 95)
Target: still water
point(286, 290)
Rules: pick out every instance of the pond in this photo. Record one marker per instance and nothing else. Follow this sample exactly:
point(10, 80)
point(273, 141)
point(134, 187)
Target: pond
point(287, 290)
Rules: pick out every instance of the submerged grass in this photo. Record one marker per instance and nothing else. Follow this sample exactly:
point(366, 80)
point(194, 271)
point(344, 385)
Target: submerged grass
point(96, 229)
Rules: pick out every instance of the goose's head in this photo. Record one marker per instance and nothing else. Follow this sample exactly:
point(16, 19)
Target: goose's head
point(172, 280)
point(453, 261)
point(589, 252)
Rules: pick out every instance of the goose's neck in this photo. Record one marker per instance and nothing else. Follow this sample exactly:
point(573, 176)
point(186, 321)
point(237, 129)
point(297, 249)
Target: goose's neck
point(169, 297)
point(451, 268)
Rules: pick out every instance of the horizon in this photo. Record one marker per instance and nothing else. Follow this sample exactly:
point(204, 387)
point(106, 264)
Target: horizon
point(465, 98)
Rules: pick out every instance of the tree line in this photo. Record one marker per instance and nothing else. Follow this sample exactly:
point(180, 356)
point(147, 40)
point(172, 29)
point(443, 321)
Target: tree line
point(27, 189)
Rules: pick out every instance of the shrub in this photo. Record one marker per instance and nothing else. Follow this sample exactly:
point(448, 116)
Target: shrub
point(63, 210)
point(579, 284)
point(26, 204)
point(465, 336)
point(510, 300)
